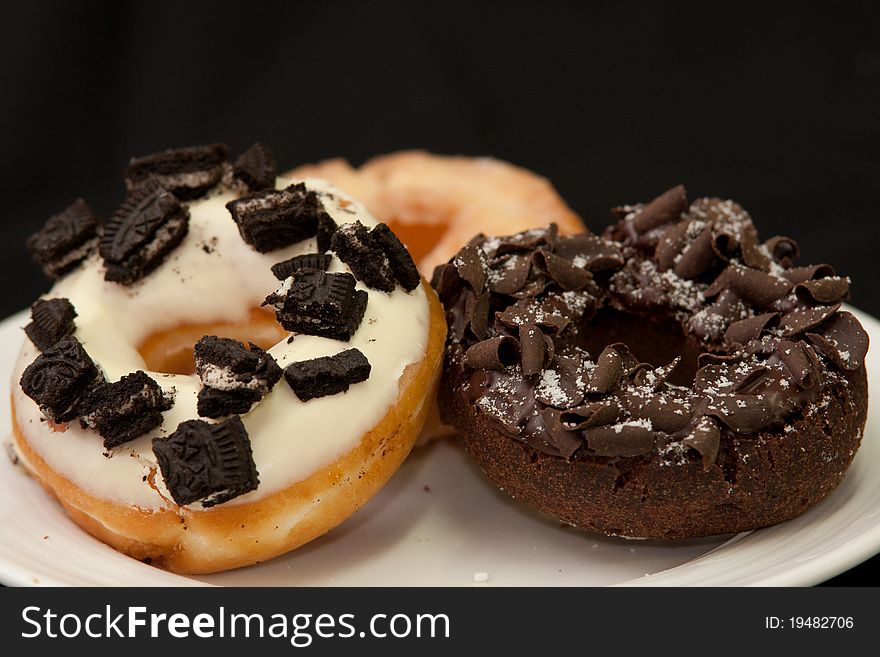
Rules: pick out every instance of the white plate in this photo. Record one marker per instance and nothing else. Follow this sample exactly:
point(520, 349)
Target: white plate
point(438, 522)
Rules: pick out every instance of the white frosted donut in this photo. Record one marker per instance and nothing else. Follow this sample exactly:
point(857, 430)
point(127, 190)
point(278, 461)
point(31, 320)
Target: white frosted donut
point(317, 460)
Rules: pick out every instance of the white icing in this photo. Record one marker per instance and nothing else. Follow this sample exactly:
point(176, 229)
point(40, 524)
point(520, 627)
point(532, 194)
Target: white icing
point(215, 276)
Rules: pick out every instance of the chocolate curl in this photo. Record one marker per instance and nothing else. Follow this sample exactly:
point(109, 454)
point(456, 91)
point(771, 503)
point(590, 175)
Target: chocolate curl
point(477, 314)
point(707, 358)
point(593, 414)
point(550, 315)
point(711, 321)
point(532, 349)
point(783, 249)
point(528, 241)
point(493, 354)
point(842, 340)
point(725, 243)
point(656, 377)
point(625, 439)
point(726, 378)
point(755, 287)
point(471, 266)
point(666, 412)
point(804, 319)
point(598, 254)
point(750, 328)
point(664, 209)
point(504, 408)
point(566, 441)
point(801, 362)
point(812, 272)
point(446, 281)
point(697, 257)
point(705, 437)
point(752, 381)
point(609, 369)
point(566, 275)
point(672, 241)
point(743, 413)
point(752, 255)
point(832, 289)
point(509, 274)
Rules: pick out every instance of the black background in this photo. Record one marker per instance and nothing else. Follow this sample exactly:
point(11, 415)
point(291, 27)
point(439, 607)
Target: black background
point(775, 105)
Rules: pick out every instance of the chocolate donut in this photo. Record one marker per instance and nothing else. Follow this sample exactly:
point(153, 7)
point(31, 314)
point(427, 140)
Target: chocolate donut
point(673, 378)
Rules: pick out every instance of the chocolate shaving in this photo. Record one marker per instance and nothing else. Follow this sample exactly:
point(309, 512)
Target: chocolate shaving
point(590, 415)
point(590, 252)
point(470, 264)
point(712, 321)
point(752, 254)
point(529, 240)
point(562, 271)
point(750, 328)
point(548, 314)
point(697, 257)
point(744, 414)
point(272, 219)
point(831, 289)
point(842, 340)
point(666, 411)
point(493, 354)
point(609, 369)
point(566, 441)
point(753, 381)
point(707, 358)
point(755, 287)
point(783, 249)
point(211, 463)
point(625, 439)
point(664, 209)
point(655, 378)
point(671, 242)
point(66, 239)
point(705, 437)
point(800, 361)
point(563, 385)
point(533, 349)
point(446, 280)
point(285, 268)
point(51, 320)
point(804, 319)
point(808, 273)
point(478, 312)
point(509, 273)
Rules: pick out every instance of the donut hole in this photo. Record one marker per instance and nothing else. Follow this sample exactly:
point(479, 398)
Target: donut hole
point(171, 350)
point(419, 238)
point(649, 340)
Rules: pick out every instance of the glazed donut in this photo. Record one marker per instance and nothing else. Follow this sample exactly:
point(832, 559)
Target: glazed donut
point(182, 386)
point(435, 203)
point(673, 378)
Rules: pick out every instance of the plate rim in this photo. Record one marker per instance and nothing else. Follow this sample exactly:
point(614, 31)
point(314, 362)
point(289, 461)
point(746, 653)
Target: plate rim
point(834, 561)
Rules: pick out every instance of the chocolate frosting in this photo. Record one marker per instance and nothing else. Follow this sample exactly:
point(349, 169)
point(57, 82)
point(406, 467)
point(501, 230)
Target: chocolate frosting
point(772, 335)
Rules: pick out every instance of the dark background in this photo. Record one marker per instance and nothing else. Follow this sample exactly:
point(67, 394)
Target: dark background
point(775, 105)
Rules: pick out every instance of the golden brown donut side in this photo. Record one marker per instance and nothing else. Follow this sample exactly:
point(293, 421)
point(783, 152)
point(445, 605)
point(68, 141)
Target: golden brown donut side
point(224, 537)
